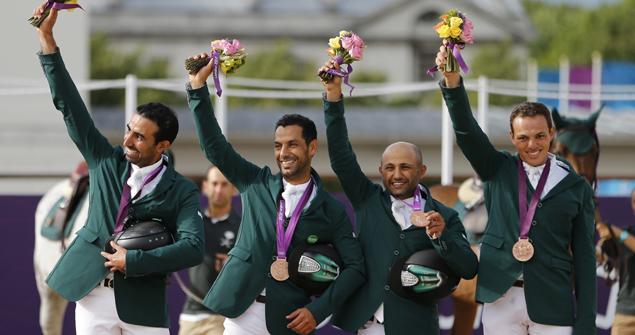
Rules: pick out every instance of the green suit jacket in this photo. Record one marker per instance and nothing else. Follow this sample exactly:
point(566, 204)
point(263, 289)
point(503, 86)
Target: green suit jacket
point(383, 242)
point(140, 294)
point(560, 280)
point(246, 272)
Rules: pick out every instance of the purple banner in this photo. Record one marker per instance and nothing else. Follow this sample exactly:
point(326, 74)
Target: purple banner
point(20, 302)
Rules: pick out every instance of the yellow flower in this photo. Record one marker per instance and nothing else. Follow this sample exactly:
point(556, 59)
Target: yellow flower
point(455, 32)
point(344, 33)
point(335, 43)
point(227, 65)
point(71, 2)
point(443, 31)
point(456, 22)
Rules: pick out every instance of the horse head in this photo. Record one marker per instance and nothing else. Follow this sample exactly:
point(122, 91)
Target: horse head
point(577, 142)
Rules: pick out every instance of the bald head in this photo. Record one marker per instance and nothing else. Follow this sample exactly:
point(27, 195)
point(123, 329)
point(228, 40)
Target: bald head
point(401, 169)
point(403, 149)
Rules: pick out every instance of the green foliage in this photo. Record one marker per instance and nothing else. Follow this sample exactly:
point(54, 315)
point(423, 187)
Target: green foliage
point(278, 63)
point(577, 32)
point(107, 63)
point(497, 61)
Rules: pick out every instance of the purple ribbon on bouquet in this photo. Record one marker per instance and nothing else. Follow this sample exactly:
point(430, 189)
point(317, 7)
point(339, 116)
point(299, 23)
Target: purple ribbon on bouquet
point(215, 65)
point(60, 5)
point(342, 73)
point(456, 52)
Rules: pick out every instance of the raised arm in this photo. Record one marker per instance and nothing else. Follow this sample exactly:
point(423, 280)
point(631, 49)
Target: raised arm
point(474, 144)
point(584, 265)
point(90, 142)
point(356, 185)
point(218, 151)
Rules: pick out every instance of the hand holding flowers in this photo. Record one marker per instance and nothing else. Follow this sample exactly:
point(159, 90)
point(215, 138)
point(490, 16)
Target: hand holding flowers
point(226, 56)
point(456, 30)
point(345, 48)
point(36, 20)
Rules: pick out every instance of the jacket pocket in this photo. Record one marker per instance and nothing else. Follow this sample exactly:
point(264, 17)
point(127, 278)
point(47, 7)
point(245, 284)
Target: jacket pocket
point(240, 253)
point(493, 241)
point(87, 235)
point(560, 263)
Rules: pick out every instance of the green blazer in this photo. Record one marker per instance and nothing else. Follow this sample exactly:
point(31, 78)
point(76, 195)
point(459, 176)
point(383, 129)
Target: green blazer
point(383, 242)
point(246, 272)
point(560, 280)
point(140, 294)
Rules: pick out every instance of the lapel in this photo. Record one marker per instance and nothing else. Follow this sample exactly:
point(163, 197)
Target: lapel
point(570, 180)
point(275, 190)
point(167, 180)
point(386, 203)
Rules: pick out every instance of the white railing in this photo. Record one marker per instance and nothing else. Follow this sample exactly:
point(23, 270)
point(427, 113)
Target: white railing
point(282, 89)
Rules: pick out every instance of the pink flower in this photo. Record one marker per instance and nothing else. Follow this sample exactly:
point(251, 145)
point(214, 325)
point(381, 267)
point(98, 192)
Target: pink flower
point(232, 47)
point(354, 44)
point(467, 36)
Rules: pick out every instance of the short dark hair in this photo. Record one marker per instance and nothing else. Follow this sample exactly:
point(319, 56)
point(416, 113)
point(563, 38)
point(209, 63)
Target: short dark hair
point(165, 119)
point(530, 109)
point(309, 132)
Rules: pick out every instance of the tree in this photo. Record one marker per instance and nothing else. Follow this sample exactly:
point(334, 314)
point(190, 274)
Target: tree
point(279, 63)
point(497, 61)
point(106, 63)
point(576, 32)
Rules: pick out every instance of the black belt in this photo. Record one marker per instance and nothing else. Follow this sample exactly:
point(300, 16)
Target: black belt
point(373, 319)
point(519, 283)
point(261, 299)
point(107, 282)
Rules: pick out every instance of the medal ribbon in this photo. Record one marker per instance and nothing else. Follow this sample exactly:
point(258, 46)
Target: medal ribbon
point(125, 201)
point(526, 215)
point(283, 236)
point(416, 202)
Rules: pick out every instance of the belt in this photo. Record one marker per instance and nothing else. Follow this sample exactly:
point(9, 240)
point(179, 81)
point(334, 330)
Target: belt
point(261, 299)
point(519, 283)
point(107, 282)
point(373, 319)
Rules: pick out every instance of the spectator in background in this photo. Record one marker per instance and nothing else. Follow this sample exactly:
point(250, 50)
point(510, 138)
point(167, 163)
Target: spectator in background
point(624, 322)
point(221, 228)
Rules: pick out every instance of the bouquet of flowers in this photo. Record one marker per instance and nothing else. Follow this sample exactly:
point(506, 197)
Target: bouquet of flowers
point(57, 4)
point(227, 55)
point(456, 29)
point(344, 49)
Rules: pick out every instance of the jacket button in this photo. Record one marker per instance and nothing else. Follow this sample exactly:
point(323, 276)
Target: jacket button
point(396, 252)
point(387, 287)
point(534, 222)
point(539, 204)
point(402, 236)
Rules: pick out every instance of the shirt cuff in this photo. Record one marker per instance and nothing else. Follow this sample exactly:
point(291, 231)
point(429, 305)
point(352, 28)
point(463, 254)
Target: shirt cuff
point(51, 58)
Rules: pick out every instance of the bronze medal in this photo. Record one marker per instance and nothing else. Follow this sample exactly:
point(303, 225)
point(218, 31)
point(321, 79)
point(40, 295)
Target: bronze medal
point(280, 269)
point(418, 219)
point(523, 250)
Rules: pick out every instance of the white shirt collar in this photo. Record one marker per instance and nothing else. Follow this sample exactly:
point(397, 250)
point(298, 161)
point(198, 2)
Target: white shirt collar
point(537, 170)
point(293, 189)
point(293, 193)
point(144, 171)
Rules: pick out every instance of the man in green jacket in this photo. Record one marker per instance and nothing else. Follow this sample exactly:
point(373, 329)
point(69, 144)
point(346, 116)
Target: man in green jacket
point(388, 230)
point(123, 291)
point(537, 265)
point(253, 290)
